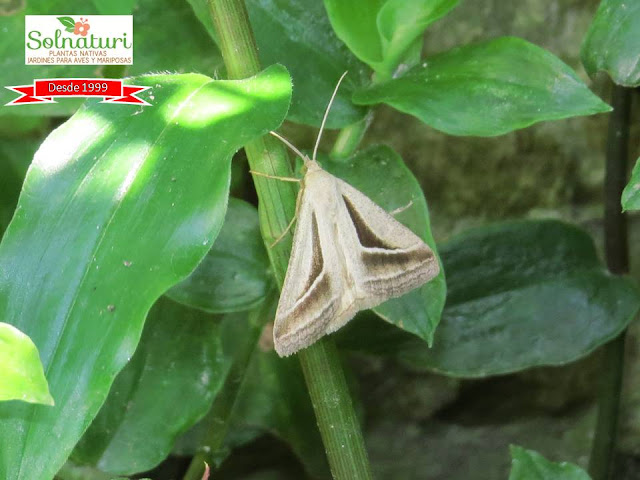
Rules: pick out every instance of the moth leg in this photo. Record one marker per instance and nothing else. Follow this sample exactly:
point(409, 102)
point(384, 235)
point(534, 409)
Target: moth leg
point(401, 209)
point(295, 217)
point(284, 179)
point(285, 231)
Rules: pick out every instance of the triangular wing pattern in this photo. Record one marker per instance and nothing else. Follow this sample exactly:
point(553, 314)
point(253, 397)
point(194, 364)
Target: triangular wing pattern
point(308, 300)
point(391, 260)
point(348, 255)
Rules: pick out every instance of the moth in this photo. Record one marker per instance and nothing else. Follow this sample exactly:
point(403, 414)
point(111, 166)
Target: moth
point(348, 255)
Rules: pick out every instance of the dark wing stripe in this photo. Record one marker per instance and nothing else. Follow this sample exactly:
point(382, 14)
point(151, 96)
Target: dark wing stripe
point(317, 261)
point(307, 307)
point(366, 236)
point(316, 291)
point(378, 261)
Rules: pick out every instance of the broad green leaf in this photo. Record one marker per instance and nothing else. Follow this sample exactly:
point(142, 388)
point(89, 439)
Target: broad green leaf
point(297, 34)
point(530, 465)
point(182, 359)
point(631, 193)
point(16, 153)
point(520, 294)
point(13, 126)
point(487, 89)
point(273, 399)
point(380, 173)
point(355, 23)
point(203, 13)
point(402, 23)
point(71, 471)
point(612, 44)
point(21, 375)
point(115, 7)
point(154, 22)
point(235, 274)
point(380, 33)
point(120, 203)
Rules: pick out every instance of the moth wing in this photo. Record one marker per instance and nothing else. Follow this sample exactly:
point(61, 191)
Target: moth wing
point(310, 295)
point(390, 259)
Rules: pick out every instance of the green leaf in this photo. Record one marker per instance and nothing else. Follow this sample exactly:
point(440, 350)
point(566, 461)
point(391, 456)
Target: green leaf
point(201, 9)
point(154, 22)
point(402, 23)
point(487, 89)
point(631, 193)
point(120, 203)
point(235, 274)
point(71, 471)
point(115, 7)
point(355, 23)
point(524, 294)
point(530, 465)
point(67, 22)
point(520, 295)
point(17, 153)
point(21, 375)
point(611, 43)
point(273, 399)
point(297, 34)
point(380, 33)
point(380, 173)
point(180, 360)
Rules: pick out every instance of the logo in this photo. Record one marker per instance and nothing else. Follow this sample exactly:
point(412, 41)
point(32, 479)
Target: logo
point(77, 28)
point(45, 90)
point(78, 40)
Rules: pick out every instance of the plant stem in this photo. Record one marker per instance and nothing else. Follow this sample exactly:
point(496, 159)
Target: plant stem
point(337, 421)
point(212, 450)
point(332, 404)
point(616, 241)
point(617, 256)
point(350, 137)
point(276, 200)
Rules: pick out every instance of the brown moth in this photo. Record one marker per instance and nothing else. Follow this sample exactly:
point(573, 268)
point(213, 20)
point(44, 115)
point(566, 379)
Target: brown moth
point(348, 255)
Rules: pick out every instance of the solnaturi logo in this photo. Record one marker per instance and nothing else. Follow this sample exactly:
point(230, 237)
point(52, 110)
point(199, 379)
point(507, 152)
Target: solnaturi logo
point(79, 39)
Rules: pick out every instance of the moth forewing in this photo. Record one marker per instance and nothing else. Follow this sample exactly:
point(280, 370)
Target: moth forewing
point(309, 298)
point(348, 255)
point(392, 260)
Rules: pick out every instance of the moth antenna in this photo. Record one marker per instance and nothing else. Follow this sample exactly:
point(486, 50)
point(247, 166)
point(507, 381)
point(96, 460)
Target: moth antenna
point(326, 115)
point(290, 145)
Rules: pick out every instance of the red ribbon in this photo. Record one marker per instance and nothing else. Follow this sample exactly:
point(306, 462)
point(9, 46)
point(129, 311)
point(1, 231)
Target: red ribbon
point(44, 90)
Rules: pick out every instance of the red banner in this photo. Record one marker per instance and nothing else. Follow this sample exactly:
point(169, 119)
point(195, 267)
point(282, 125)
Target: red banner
point(44, 90)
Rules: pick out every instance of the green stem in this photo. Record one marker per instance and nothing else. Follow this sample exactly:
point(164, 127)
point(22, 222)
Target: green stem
point(350, 137)
point(212, 450)
point(337, 421)
point(332, 404)
point(617, 256)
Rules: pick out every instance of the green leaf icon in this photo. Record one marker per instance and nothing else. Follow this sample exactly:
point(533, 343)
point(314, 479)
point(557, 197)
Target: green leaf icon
point(68, 23)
